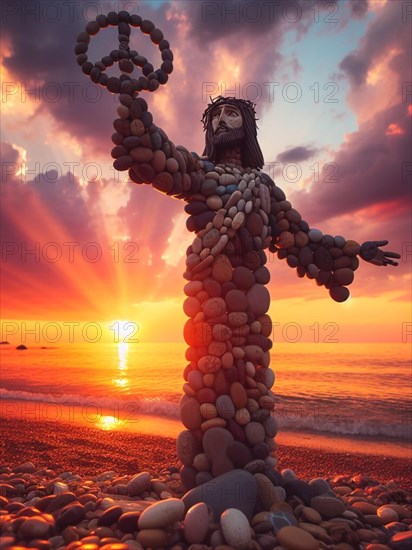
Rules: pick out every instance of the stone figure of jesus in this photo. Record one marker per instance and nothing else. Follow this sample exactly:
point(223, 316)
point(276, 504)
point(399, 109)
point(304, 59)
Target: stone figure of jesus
point(236, 212)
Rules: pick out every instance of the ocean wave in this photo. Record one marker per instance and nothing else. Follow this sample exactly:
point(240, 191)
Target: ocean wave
point(297, 414)
point(347, 426)
point(132, 406)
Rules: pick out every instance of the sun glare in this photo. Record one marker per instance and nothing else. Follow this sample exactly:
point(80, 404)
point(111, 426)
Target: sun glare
point(122, 330)
point(108, 423)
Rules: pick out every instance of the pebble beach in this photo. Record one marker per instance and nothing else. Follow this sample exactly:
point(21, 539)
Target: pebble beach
point(70, 486)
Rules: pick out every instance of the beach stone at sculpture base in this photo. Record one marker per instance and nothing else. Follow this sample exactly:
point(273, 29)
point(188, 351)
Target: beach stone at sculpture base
point(161, 514)
point(152, 538)
point(300, 489)
point(236, 528)
point(266, 491)
point(255, 466)
point(239, 453)
point(187, 447)
point(196, 523)
point(235, 489)
point(215, 442)
point(190, 414)
point(261, 451)
point(321, 486)
point(188, 477)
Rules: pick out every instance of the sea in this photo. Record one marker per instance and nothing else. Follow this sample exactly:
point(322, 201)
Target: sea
point(355, 390)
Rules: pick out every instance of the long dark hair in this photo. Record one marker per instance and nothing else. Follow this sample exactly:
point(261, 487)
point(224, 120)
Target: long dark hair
point(252, 156)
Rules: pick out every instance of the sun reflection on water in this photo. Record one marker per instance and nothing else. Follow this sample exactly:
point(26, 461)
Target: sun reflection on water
point(122, 381)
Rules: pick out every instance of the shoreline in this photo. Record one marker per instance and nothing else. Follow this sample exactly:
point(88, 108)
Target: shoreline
point(129, 421)
point(88, 451)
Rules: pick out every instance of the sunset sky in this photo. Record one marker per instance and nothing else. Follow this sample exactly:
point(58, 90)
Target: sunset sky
point(333, 89)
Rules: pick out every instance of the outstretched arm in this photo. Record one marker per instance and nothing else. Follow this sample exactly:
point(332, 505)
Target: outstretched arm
point(146, 151)
point(331, 261)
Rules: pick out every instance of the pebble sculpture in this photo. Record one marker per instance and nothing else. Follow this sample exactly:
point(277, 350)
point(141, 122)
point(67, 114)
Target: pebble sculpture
point(236, 212)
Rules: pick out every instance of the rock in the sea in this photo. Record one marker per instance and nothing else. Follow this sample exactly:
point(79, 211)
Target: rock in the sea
point(236, 528)
point(235, 489)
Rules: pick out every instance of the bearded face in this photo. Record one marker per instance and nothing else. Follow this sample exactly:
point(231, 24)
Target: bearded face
point(227, 124)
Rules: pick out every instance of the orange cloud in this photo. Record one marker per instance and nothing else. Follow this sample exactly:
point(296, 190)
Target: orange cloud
point(394, 130)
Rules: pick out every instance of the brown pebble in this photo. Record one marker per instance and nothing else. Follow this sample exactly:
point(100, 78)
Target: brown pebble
point(152, 538)
point(141, 154)
point(34, 528)
point(294, 538)
point(172, 165)
point(159, 161)
point(163, 182)
point(311, 515)
point(222, 270)
point(365, 507)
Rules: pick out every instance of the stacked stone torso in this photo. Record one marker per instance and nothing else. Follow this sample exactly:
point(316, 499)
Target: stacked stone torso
point(227, 401)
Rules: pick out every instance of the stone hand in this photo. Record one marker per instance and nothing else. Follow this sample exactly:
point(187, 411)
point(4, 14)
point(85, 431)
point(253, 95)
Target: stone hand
point(370, 252)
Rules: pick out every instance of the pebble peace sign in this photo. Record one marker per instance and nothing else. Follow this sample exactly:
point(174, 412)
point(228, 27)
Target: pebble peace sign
point(126, 58)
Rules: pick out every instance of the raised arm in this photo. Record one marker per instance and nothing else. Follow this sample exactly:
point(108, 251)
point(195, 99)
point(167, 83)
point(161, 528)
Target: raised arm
point(331, 261)
point(146, 151)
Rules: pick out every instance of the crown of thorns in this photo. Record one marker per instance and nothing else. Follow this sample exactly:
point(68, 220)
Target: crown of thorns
point(220, 100)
